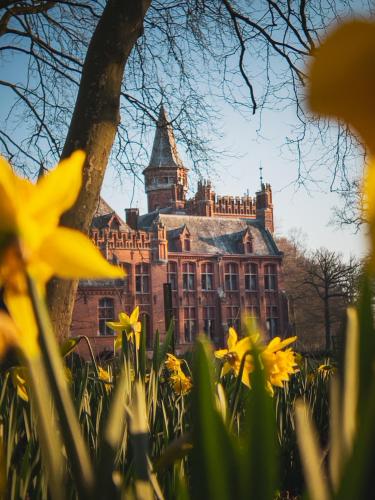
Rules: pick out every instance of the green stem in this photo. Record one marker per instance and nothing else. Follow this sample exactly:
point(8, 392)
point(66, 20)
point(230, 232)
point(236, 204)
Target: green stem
point(47, 427)
point(75, 446)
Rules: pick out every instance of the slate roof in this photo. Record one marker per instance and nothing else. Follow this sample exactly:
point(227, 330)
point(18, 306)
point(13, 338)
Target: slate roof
point(104, 214)
point(212, 235)
point(164, 150)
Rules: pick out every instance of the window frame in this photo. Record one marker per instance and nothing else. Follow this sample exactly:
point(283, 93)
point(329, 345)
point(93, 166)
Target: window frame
point(207, 275)
point(188, 276)
point(103, 329)
point(270, 278)
point(142, 278)
point(190, 323)
point(251, 277)
point(230, 277)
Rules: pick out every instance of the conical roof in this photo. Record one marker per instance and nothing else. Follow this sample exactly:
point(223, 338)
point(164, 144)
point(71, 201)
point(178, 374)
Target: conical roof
point(164, 150)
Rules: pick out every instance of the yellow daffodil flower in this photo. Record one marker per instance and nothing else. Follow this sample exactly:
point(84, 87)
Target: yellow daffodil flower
point(128, 324)
point(19, 382)
point(32, 242)
point(233, 356)
point(326, 370)
point(342, 78)
point(278, 364)
point(181, 384)
point(105, 377)
point(172, 363)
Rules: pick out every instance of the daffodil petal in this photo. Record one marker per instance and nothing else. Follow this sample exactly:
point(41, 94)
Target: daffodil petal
point(124, 320)
point(134, 315)
point(343, 79)
point(20, 309)
point(118, 342)
point(58, 189)
point(232, 338)
point(118, 327)
point(72, 255)
point(220, 353)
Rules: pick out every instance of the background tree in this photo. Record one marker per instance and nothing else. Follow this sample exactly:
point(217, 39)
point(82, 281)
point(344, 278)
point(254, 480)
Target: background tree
point(331, 279)
point(71, 97)
point(319, 286)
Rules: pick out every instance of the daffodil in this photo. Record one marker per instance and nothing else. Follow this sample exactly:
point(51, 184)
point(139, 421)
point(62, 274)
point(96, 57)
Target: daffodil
point(181, 384)
point(128, 324)
point(19, 381)
point(326, 370)
point(342, 78)
point(278, 364)
point(232, 356)
point(32, 241)
point(105, 377)
point(172, 363)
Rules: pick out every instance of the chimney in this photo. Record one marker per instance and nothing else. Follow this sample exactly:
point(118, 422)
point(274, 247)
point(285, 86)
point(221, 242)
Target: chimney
point(132, 215)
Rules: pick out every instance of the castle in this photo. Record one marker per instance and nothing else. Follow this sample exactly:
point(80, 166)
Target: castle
point(206, 262)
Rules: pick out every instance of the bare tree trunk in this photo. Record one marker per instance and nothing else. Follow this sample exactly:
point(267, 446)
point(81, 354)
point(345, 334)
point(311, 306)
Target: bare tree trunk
point(94, 124)
point(327, 321)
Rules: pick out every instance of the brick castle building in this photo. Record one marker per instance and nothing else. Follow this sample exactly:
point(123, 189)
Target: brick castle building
point(217, 254)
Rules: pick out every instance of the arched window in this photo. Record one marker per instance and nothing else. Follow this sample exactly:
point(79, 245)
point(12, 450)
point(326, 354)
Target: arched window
point(270, 277)
point(142, 278)
point(106, 312)
point(251, 277)
point(188, 276)
point(172, 275)
point(231, 276)
point(207, 275)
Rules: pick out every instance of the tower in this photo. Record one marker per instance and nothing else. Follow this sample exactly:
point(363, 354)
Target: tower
point(264, 206)
point(165, 176)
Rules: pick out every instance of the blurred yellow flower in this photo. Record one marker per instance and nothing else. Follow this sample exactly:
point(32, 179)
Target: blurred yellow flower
point(233, 355)
point(32, 241)
point(181, 384)
point(326, 370)
point(19, 382)
point(130, 325)
point(172, 363)
point(342, 78)
point(105, 377)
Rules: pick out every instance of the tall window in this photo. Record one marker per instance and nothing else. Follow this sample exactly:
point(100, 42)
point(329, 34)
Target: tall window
point(233, 317)
point(190, 324)
point(124, 283)
point(272, 320)
point(188, 276)
point(270, 281)
point(142, 278)
point(231, 276)
point(172, 275)
point(209, 321)
point(251, 277)
point(106, 312)
point(252, 312)
point(207, 276)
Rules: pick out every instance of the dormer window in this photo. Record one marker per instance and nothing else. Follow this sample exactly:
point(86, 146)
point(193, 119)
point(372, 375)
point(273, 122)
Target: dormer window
point(187, 244)
point(247, 242)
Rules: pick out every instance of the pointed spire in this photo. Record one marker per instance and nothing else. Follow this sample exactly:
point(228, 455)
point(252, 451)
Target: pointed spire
point(164, 150)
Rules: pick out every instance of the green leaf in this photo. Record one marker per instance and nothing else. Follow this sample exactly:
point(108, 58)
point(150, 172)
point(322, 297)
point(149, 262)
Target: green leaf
point(214, 461)
point(259, 467)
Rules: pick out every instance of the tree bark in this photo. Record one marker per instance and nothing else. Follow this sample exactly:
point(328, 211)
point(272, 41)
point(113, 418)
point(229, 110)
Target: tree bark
point(93, 127)
point(327, 321)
